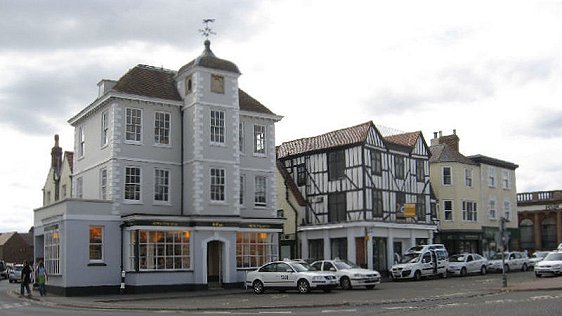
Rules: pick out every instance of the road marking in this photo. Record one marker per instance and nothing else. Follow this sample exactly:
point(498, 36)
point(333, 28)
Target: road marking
point(401, 308)
point(276, 312)
point(339, 311)
point(541, 297)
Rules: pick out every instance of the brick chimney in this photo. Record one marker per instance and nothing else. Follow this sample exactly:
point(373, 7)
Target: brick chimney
point(56, 164)
point(452, 141)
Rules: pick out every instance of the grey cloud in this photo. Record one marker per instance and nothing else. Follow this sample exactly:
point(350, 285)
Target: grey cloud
point(46, 25)
point(546, 125)
point(522, 71)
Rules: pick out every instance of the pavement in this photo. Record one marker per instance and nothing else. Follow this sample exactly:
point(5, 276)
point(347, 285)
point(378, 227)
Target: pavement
point(244, 299)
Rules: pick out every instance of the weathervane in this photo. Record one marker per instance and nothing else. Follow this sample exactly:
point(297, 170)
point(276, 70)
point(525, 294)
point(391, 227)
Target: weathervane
point(207, 31)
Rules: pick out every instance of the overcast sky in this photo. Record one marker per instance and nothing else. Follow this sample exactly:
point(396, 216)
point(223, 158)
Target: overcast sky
point(491, 70)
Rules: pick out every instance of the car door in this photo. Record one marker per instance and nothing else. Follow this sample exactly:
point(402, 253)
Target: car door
point(285, 275)
point(469, 263)
point(267, 274)
point(426, 264)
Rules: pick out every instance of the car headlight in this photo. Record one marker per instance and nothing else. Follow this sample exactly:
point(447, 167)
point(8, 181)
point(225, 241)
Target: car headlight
point(357, 275)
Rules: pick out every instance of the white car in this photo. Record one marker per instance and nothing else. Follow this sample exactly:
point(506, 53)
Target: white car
point(537, 257)
point(513, 261)
point(466, 263)
point(349, 274)
point(289, 275)
point(418, 264)
point(550, 265)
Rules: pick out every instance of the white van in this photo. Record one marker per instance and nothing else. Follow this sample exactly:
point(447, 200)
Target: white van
point(422, 261)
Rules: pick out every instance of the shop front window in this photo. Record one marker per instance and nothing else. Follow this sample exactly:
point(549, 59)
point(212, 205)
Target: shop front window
point(159, 250)
point(254, 249)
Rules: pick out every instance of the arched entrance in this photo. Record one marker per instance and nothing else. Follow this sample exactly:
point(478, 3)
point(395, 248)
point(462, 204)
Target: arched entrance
point(214, 264)
point(526, 229)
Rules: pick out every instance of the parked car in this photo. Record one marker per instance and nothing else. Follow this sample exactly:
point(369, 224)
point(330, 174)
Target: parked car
point(537, 257)
point(463, 264)
point(289, 275)
point(514, 260)
point(417, 264)
point(550, 265)
point(3, 270)
point(349, 274)
point(15, 273)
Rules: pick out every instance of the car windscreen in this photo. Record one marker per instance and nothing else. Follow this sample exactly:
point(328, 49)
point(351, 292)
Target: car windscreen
point(553, 256)
point(344, 264)
point(300, 267)
point(456, 258)
point(410, 257)
point(497, 256)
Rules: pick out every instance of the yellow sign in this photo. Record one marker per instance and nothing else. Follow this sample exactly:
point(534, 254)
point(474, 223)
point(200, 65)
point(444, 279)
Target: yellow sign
point(409, 210)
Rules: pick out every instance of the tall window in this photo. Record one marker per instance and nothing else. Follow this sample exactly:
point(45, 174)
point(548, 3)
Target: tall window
point(377, 203)
point(492, 209)
point(526, 229)
point(469, 211)
point(133, 125)
point(420, 170)
point(259, 139)
point(301, 175)
point(448, 210)
point(217, 127)
point(162, 128)
point(63, 191)
point(400, 201)
point(104, 128)
point(447, 176)
point(81, 142)
point(188, 85)
point(103, 183)
point(96, 243)
point(242, 189)
point(336, 164)
point(421, 208)
point(376, 162)
point(132, 183)
point(241, 137)
point(217, 184)
point(161, 185)
point(52, 251)
point(398, 167)
point(255, 249)
point(260, 194)
point(79, 187)
point(506, 183)
point(337, 207)
point(491, 176)
point(507, 209)
point(160, 250)
point(468, 177)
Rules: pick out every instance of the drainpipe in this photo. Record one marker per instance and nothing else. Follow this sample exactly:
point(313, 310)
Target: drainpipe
point(181, 162)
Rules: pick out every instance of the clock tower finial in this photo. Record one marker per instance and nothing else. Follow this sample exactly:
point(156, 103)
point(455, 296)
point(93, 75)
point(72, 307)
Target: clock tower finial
point(207, 31)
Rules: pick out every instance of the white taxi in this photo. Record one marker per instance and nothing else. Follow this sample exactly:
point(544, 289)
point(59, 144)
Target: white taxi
point(289, 275)
point(349, 274)
point(513, 261)
point(463, 264)
point(550, 265)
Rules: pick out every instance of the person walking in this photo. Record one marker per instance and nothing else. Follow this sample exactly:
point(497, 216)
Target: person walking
point(26, 278)
point(41, 277)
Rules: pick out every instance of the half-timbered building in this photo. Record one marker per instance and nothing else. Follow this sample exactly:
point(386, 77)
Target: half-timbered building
point(367, 196)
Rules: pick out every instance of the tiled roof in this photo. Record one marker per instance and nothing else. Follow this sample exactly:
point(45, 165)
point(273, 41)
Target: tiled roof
point(160, 83)
point(493, 161)
point(4, 237)
point(406, 139)
point(342, 137)
point(69, 156)
point(208, 60)
point(444, 153)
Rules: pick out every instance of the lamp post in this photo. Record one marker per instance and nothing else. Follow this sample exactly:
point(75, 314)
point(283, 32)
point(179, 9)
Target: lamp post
point(503, 239)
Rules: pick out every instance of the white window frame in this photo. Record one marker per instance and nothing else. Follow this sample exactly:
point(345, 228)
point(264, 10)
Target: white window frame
point(103, 183)
point(133, 136)
point(162, 180)
point(162, 128)
point(104, 128)
point(469, 211)
point(260, 140)
point(52, 251)
point(443, 175)
point(492, 176)
point(260, 191)
point(254, 249)
point(507, 209)
point(217, 132)
point(136, 186)
point(506, 179)
point(492, 209)
point(95, 243)
point(81, 142)
point(445, 210)
point(217, 185)
point(468, 177)
point(79, 187)
point(158, 258)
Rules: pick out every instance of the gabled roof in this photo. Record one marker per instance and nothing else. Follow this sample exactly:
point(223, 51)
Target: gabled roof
point(339, 138)
point(4, 237)
point(405, 139)
point(159, 83)
point(444, 153)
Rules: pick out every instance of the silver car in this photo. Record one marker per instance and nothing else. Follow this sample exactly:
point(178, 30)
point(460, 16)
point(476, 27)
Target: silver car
point(550, 265)
point(14, 275)
point(463, 264)
point(513, 261)
point(349, 274)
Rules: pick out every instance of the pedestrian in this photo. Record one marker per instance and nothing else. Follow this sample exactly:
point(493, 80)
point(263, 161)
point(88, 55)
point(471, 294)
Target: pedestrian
point(41, 277)
point(26, 278)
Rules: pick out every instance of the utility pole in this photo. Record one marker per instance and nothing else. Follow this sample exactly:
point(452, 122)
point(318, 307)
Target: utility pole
point(503, 238)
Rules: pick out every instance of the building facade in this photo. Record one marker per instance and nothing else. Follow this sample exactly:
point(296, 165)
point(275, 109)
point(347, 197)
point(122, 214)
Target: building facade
point(173, 185)
point(540, 219)
point(58, 184)
point(358, 188)
point(473, 193)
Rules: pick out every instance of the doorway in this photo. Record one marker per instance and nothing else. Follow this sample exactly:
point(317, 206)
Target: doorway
point(214, 264)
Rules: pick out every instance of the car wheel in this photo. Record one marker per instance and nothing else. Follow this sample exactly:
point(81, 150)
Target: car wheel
point(524, 267)
point(345, 283)
point(417, 275)
point(506, 268)
point(258, 287)
point(463, 272)
point(303, 286)
point(483, 270)
point(369, 287)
